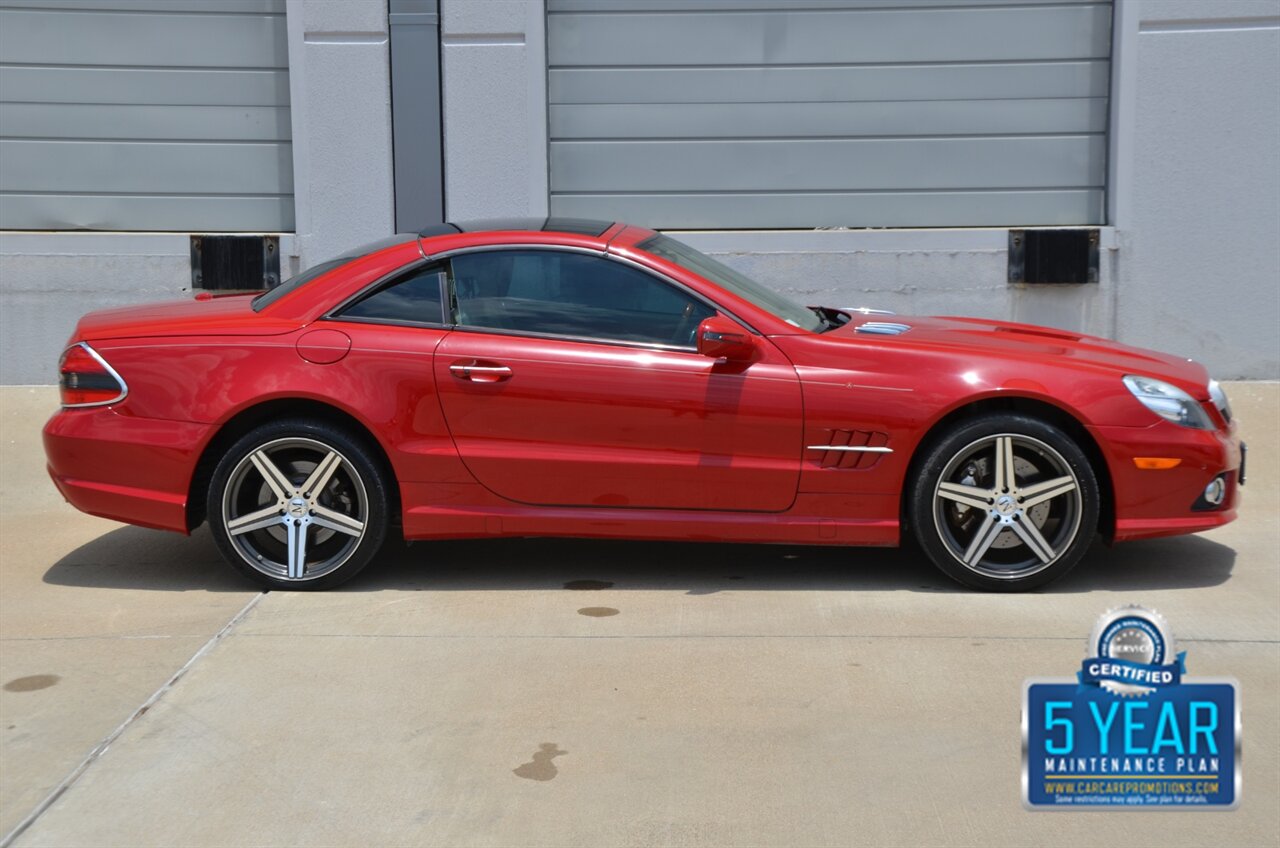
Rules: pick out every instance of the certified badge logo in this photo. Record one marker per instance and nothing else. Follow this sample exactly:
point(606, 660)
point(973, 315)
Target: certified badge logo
point(1129, 647)
point(1131, 730)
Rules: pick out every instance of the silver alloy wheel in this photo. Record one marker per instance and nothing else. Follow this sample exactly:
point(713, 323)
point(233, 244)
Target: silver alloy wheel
point(1007, 506)
point(295, 509)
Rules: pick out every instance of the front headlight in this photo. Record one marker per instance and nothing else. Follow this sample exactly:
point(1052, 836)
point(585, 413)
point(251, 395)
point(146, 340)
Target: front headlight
point(1220, 399)
point(1169, 402)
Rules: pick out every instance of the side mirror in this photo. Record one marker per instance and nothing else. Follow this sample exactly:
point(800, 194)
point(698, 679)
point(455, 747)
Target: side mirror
point(721, 338)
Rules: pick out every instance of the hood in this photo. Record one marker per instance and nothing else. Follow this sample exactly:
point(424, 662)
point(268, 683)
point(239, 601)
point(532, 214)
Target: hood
point(229, 315)
point(996, 338)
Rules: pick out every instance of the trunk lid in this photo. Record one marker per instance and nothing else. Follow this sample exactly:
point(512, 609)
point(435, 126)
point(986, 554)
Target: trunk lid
point(230, 315)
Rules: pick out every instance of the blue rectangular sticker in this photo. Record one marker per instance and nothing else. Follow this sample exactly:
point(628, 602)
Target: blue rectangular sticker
point(1175, 747)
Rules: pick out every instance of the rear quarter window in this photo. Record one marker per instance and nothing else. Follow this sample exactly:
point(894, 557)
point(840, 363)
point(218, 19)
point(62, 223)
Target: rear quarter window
point(300, 279)
point(413, 298)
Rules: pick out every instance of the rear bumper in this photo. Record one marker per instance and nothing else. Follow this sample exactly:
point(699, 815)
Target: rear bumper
point(1151, 503)
point(130, 469)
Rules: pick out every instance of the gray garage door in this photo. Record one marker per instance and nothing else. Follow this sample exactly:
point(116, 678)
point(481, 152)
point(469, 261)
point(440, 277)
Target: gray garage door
point(145, 115)
point(816, 113)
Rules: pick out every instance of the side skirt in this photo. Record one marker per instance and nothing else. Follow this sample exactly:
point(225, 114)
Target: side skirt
point(453, 511)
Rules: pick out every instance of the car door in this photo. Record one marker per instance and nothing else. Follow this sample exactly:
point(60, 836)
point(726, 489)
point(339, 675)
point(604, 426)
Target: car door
point(572, 379)
point(393, 329)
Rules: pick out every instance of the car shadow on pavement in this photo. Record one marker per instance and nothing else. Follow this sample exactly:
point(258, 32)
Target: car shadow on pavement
point(137, 558)
point(134, 558)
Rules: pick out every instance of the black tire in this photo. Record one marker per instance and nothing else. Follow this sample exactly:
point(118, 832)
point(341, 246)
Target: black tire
point(261, 514)
point(992, 534)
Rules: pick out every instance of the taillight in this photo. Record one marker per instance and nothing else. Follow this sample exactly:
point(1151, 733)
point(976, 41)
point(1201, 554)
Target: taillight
point(85, 378)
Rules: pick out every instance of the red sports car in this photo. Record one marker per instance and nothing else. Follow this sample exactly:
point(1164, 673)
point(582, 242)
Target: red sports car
point(577, 378)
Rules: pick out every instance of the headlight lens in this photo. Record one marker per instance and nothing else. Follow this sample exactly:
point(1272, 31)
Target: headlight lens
point(1220, 399)
point(1169, 402)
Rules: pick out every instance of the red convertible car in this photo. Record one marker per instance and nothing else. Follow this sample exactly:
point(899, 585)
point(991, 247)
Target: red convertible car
point(576, 378)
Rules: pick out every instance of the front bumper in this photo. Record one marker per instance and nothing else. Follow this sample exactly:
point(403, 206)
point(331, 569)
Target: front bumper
point(122, 467)
point(1168, 502)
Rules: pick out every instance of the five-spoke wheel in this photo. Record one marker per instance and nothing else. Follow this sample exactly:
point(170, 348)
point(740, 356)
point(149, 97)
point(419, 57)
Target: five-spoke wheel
point(1005, 502)
point(298, 504)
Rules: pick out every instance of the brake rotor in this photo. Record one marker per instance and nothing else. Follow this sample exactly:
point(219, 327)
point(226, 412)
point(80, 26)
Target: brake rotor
point(977, 470)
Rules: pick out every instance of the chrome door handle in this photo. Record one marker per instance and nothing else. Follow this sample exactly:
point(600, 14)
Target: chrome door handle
point(480, 373)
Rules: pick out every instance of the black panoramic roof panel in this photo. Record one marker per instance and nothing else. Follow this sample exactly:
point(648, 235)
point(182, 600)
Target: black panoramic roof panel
point(576, 226)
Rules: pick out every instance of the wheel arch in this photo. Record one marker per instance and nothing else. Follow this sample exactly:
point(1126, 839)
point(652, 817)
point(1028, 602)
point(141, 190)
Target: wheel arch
point(252, 416)
point(1050, 413)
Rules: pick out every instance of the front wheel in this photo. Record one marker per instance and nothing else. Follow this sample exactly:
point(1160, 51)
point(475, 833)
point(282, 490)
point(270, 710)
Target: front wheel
point(1005, 503)
point(298, 504)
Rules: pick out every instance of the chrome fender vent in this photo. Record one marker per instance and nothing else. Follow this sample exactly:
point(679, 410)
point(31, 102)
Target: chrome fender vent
point(860, 449)
point(882, 328)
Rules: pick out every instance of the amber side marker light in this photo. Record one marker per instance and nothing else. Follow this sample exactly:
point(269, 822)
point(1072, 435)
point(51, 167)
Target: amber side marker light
point(1156, 463)
point(85, 378)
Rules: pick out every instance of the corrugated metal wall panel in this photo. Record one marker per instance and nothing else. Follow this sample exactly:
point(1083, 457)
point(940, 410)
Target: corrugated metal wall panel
point(154, 213)
point(946, 81)
point(77, 37)
point(130, 167)
point(812, 164)
point(812, 36)
point(779, 210)
point(865, 120)
point(185, 123)
point(160, 86)
point(145, 115)
point(750, 113)
point(759, 5)
point(265, 7)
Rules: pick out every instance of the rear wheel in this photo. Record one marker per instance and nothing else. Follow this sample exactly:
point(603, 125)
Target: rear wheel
point(298, 504)
point(1005, 503)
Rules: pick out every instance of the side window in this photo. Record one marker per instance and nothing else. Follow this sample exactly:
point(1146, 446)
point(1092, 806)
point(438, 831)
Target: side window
point(572, 294)
point(414, 297)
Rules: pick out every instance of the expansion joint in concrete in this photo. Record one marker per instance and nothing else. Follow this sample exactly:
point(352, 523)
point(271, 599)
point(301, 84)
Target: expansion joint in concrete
point(110, 738)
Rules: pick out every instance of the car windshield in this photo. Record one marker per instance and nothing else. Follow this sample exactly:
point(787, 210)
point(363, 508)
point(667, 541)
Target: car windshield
point(736, 283)
point(300, 279)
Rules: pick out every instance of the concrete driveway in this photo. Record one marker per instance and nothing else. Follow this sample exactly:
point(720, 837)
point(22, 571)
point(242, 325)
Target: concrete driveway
point(567, 693)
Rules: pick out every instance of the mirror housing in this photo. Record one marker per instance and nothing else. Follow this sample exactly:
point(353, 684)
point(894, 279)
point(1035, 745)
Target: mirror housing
point(721, 338)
